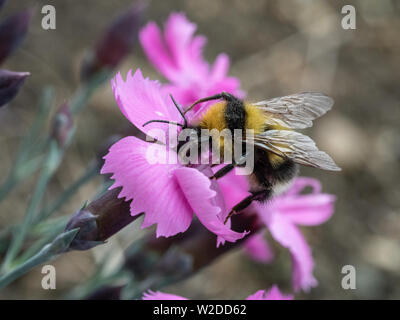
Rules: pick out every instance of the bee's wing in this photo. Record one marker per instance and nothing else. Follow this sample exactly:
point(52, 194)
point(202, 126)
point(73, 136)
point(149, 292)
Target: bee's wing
point(296, 111)
point(293, 145)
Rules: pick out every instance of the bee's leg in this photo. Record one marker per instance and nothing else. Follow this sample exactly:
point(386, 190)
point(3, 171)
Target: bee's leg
point(223, 171)
point(228, 168)
point(258, 195)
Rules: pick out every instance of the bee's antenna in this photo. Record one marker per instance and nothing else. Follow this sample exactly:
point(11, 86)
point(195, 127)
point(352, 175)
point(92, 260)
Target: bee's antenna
point(163, 121)
point(180, 111)
point(223, 95)
point(171, 122)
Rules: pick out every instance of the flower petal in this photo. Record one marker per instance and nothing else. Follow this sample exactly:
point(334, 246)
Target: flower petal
point(152, 186)
point(220, 67)
point(272, 294)
point(288, 235)
point(197, 189)
point(257, 247)
point(178, 55)
point(142, 100)
point(308, 210)
point(151, 295)
point(234, 187)
point(154, 47)
point(302, 182)
point(186, 50)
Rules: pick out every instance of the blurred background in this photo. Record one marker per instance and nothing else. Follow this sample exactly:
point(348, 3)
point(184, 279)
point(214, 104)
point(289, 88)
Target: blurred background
point(276, 48)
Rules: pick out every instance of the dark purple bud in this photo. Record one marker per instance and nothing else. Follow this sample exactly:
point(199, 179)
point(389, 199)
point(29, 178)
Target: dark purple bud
point(62, 125)
point(2, 3)
point(99, 220)
point(10, 82)
point(116, 43)
point(12, 32)
point(119, 38)
point(106, 293)
point(86, 222)
point(175, 263)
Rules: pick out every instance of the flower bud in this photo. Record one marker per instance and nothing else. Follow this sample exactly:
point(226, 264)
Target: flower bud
point(62, 125)
point(12, 32)
point(106, 293)
point(115, 44)
point(99, 220)
point(10, 83)
point(2, 3)
point(88, 230)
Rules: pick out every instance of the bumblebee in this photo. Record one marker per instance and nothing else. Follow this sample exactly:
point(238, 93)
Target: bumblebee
point(278, 149)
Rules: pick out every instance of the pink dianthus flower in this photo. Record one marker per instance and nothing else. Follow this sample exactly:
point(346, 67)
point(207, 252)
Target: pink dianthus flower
point(168, 194)
point(272, 294)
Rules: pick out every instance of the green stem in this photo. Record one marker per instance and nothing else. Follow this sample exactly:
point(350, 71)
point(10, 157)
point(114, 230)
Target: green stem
point(51, 162)
point(83, 94)
point(48, 252)
point(7, 186)
point(89, 173)
point(56, 228)
point(25, 148)
point(33, 133)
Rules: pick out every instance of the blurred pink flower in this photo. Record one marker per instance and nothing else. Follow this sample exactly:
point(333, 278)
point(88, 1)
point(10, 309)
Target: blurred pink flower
point(168, 194)
point(178, 55)
point(158, 295)
point(258, 248)
point(272, 294)
point(282, 215)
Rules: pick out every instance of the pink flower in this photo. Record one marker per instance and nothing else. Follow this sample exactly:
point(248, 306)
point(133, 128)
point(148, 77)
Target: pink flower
point(282, 215)
point(258, 248)
point(168, 194)
point(158, 295)
point(272, 294)
point(141, 100)
point(178, 55)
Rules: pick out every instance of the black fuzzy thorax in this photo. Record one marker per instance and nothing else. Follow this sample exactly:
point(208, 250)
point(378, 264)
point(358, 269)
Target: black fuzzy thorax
point(235, 114)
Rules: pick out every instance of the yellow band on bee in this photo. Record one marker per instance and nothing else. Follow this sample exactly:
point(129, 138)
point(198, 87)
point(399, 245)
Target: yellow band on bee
point(255, 119)
point(214, 118)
